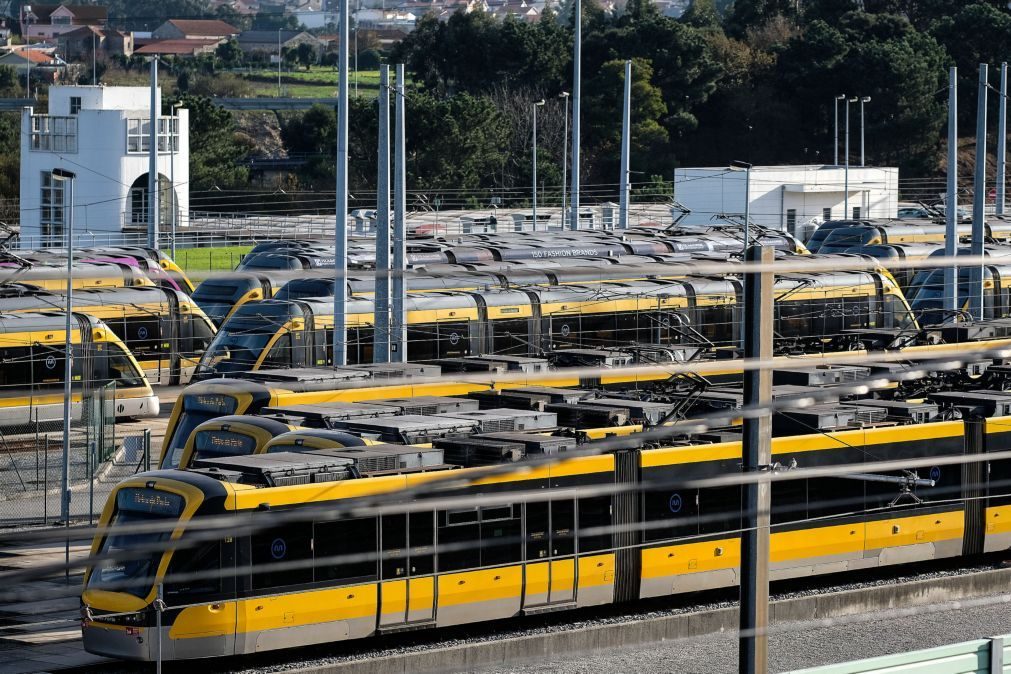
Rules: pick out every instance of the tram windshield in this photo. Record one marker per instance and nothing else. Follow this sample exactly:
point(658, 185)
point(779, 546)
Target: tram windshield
point(133, 556)
point(241, 340)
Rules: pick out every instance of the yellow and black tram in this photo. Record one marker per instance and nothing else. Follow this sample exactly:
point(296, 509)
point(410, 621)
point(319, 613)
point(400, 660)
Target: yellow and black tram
point(32, 357)
point(811, 310)
point(289, 564)
point(163, 328)
point(53, 276)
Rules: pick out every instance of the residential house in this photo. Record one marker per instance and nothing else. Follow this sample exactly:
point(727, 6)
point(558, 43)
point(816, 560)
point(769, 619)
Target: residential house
point(47, 21)
point(267, 41)
point(240, 7)
point(182, 47)
point(77, 45)
point(45, 66)
point(194, 29)
point(5, 33)
point(386, 18)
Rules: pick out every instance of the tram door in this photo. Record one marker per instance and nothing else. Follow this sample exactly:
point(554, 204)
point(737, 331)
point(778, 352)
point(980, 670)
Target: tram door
point(550, 554)
point(407, 567)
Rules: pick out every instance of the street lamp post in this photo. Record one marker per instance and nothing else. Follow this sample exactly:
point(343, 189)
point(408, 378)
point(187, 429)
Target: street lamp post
point(534, 159)
point(67, 178)
point(835, 147)
point(746, 167)
point(28, 49)
point(565, 152)
point(846, 171)
point(863, 100)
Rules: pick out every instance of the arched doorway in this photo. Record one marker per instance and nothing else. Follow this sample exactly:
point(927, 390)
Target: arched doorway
point(168, 202)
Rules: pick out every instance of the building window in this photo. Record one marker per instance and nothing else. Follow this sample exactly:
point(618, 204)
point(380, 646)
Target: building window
point(138, 133)
point(75, 104)
point(54, 134)
point(856, 212)
point(52, 215)
point(791, 219)
point(826, 214)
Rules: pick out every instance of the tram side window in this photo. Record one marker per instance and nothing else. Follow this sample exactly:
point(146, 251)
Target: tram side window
point(122, 371)
point(565, 331)
point(600, 330)
point(345, 550)
point(47, 367)
point(500, 535)
point(195, 571)
point(454, 339)
point(594, 523)
point(203, 335)
point(789, 501)
point(512, 336)
point(829, 496)
point(719, 510)
point(856, 312)
point(15, 369)
point(550, 528)
point(142, 334)
point(279, 355)
point(284, 545)
point(360, 342)
point(422, 341)
point(459, 540)
point(716, 322)
point(421, 529)
point(793, 319)
point(670, 514)
point(393, 551)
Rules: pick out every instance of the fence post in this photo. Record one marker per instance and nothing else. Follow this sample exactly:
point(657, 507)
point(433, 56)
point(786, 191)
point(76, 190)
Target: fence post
point(93, 462)
point(996, 655)
point(147, 449)
point(159, 606)
point(45, 483)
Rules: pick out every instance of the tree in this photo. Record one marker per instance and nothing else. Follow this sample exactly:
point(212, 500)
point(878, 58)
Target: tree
point(603, 121)
point(229, 53)
point(217, 150)
point(745, 14)
point(306, 54)
point(8, 80)
point(702, 14)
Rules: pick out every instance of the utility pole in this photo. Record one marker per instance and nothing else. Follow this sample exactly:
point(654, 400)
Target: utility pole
point(534, 162)
point(835, 146)
point(1001, 141)
point(399, 337)
point(846, 172)
point(626, 141)
point(576, 63)
point(863, 100)
point(758, 318)
point(67, 178)
point(565, 154)
point(340, 295)
point(152, 166)
point(381, 302)
point(951, 203)
point(979, 199)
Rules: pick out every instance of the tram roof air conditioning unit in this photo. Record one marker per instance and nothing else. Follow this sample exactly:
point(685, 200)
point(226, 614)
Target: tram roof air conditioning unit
point(427, 405)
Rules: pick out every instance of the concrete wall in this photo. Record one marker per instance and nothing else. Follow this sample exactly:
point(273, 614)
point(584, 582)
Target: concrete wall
point(775, 190)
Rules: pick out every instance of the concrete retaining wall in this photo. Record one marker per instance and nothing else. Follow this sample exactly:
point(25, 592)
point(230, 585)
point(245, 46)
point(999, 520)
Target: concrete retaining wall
point(682, 626)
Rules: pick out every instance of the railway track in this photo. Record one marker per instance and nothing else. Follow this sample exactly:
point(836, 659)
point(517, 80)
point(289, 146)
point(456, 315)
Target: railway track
point(704, 609)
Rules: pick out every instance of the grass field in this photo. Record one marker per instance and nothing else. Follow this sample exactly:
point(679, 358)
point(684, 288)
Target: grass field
point(210, 259)
point(318, 82)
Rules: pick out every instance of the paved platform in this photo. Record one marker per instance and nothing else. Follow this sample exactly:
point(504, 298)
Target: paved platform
point(43, 635)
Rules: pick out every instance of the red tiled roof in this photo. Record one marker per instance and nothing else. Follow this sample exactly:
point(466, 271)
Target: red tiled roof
point(34, 55)
point(203, 27)
point(89, 13)
point(178, 47)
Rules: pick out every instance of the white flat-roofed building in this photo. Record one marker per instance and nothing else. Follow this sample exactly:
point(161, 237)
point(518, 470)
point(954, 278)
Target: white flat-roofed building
point(787, 197)
point(101, 135)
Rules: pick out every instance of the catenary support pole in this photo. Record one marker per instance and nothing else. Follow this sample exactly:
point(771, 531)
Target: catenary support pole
point(533, 166)
point(399, 334)
point(1001, 142)
point(381, 330)
point(576, 74)
point(979, 199)
point(846, 171)
point(951, 202)
point(626, 141)
point(68, 361)
point(340, 295)
point(153, 211)
point(565, 157)
point(754, 618)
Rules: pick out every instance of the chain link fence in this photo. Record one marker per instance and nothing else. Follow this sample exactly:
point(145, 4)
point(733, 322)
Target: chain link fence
point(31, 463)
